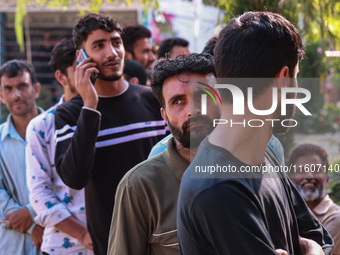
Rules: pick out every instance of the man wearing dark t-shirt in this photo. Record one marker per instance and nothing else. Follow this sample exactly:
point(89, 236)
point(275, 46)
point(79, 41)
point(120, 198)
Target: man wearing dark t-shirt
point(108, 128)
point(228, 203)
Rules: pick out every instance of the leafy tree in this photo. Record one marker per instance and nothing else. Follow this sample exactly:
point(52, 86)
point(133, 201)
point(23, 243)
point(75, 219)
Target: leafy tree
point(231, 8)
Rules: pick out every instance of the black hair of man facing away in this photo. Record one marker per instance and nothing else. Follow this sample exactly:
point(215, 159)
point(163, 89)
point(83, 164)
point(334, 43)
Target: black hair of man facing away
point(247, 213)
point(144, 217)
point(106, 130)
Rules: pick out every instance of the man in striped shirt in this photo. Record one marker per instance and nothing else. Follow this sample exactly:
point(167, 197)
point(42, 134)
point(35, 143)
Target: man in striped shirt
point(108, 128)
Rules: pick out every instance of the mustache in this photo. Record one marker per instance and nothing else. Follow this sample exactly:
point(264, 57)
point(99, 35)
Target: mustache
point(303, 182)
point(17, 101)
point(116, 60)
point(196, 119)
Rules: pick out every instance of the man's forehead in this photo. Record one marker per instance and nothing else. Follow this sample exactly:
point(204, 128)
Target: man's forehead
point(195, 79)
point(144, 43)
point(100, 34)
point(23, 74)
point(21, 77)
point(188, 81)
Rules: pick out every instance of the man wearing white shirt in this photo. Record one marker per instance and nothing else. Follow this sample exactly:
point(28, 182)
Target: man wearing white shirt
point(60, 209)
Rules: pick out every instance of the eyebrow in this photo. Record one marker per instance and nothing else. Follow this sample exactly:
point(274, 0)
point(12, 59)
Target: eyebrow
point(177, 96)
point(19, 84)
point(103, 40)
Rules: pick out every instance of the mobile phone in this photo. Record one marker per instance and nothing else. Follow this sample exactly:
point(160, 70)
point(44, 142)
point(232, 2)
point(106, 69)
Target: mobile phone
point(81, 57)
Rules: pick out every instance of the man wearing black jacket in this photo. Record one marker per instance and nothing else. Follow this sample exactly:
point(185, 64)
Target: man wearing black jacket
point(108, 128)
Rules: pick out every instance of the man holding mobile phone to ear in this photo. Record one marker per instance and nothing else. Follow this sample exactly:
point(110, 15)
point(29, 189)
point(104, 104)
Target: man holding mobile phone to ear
point(108, 128)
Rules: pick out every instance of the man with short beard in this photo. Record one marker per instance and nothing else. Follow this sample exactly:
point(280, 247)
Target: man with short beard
point(106, 130)
point(144, 217)
point(310, 176)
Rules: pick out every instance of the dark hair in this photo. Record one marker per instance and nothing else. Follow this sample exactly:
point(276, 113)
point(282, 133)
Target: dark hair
point(257, 45)
point(195, 63)
point(210, 45)
point(92, 21)
point(309, 149)
point(63, 55)
point(133, 68)
point(131, 34)
point(167, 45)
point(15, 67)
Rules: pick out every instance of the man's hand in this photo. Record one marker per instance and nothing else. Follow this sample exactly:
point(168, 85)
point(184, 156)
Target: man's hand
point(19, 220)
point(76, 229)
point(310, 247)
point(87, 241)
point(281, 252)
point(83, 83)
point(37, 235)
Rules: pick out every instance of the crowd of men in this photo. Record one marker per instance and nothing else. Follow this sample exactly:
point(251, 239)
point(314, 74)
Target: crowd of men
point(75, 179)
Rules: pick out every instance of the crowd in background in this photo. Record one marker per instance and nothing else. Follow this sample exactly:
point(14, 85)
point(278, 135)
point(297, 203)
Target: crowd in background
point(79, 178)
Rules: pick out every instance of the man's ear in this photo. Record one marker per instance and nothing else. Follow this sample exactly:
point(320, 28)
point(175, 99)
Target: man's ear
point(327, 181)
point(283, 72)
point(61, 78)
point(128, 55)
point(37, 88)
point(281, 77)
point(163, 113)
point(134, 80)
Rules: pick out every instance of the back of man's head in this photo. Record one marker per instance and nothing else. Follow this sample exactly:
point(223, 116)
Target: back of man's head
point(134, 69)
point(194, 63)
point(131, 34)
point(90, 22)
point(15, 67)
point(63, 55)
point(210, 45)
point(167, 45)
point(257, 44)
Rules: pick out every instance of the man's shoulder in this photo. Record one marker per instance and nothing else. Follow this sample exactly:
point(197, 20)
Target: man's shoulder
point(2, 126)
point(135, 87)
point(44, 117)
point(148, 171)
point(70, 110)
point(143, 92)
point(4, 129)
point(335, 209)
point(73, 104)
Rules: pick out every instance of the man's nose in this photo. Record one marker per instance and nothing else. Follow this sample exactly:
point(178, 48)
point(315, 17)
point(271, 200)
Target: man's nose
point(16, 93)
point(193, 111)
point(152, 56)
point(112, 52)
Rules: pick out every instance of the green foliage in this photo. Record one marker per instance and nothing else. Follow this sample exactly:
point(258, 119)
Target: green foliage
point(327, 119)
point(20, 13)
point(334, 183)
point(91, 5)
point(321, 21)
point(233, 8)
point(313, 63)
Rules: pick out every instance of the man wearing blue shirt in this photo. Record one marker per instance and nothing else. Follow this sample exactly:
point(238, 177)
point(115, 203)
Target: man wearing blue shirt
point(19, 89)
